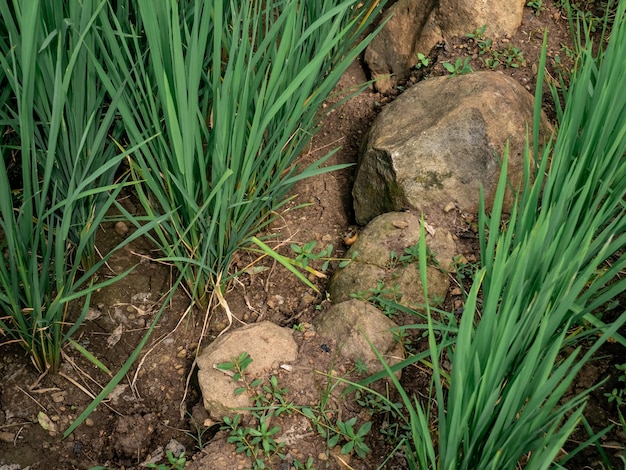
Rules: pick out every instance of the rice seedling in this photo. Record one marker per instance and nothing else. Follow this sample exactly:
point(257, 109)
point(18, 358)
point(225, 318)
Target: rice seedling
point(49, 218)
point(548, 270)
point(233, 91)
point(65, 88)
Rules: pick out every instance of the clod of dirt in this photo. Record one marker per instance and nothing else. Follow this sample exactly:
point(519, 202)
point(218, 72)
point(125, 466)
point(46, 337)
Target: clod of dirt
point(132, 435)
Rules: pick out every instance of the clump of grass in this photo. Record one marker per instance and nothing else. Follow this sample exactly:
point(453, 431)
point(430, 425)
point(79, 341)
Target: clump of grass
point(232, 91)
point(72, 114)
point(55, 124)
point(543, 274)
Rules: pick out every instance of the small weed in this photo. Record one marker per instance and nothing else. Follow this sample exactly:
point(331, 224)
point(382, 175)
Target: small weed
point(410, 255)
point(393, 427)
point(511, 57)
point(484, 43)
point(536, 5)
point(379, 296)
point(492, 63)
point(273, 397)
point(464, 270)
point(306, 253)
point(355, 439)
point(618, 394)
point(436, 300)
point(308, 465)
point(460, 67)
point(239, 365)
point(256, 442)
point(479, 34)
point(340, 432)
point(174, 463)
point(198, 434)
point(257, 439)
point(401, 336)
point(422, 61)
point(393, 260)
point(360, 367)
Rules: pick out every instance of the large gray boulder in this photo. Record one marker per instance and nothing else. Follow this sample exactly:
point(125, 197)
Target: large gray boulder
point(417, 25)
point(440, 141)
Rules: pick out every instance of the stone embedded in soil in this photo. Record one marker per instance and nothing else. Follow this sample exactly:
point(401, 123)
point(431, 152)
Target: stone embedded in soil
point(416, 26)
point(373, 265)
point(352, 324)
point(267, 344)
point(441, 141)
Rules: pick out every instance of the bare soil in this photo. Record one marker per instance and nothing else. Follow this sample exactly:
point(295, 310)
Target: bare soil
point(159, 401)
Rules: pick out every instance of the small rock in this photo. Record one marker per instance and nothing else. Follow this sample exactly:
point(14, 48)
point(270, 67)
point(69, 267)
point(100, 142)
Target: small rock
point(274, 301)
point(175, 447)
point(266, 343)
point(353, 325)
point(306, 300)
point(121, 228)
point(7, 437)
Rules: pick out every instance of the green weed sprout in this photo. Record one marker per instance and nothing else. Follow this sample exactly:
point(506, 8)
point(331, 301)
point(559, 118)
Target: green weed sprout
point(460, 67)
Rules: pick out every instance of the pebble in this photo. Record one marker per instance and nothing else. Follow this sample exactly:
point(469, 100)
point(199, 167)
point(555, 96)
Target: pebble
point(7, 437)
point(89, 422)
point(121, 228)
point(307, 299)
point(274, 301)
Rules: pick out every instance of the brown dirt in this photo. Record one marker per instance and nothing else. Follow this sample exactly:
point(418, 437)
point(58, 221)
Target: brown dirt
point(145, 412)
